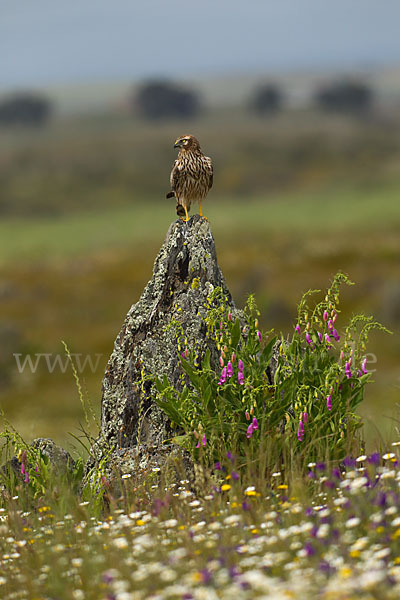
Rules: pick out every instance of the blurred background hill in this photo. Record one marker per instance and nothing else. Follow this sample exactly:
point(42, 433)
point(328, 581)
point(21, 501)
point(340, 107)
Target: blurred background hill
point(299, 107)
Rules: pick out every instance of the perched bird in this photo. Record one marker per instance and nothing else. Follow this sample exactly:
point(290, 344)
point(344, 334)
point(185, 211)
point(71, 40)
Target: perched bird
point(191, 176)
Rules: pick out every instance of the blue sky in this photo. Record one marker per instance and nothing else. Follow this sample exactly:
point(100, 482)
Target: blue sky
point(48, 41)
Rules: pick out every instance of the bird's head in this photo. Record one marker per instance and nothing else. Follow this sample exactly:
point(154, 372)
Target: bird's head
point(187, 142)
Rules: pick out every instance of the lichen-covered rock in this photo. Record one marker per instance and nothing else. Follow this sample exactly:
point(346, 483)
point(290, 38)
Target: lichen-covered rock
point(170, 312)
point(60, 460)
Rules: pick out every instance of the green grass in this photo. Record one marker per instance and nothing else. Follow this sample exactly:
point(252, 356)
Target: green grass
point(328, 211)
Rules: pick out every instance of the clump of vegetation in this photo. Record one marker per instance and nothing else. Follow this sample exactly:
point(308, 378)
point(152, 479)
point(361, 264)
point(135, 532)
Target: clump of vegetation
point(246, 531)
point(302, 404)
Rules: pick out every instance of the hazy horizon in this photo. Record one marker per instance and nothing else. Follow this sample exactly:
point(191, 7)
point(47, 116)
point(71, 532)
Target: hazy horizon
point(47, 44)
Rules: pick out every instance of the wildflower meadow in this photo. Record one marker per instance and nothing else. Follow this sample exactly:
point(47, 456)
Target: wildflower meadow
point(290, 503)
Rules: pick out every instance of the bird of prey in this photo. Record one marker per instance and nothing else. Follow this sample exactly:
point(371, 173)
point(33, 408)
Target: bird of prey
point(191, 176)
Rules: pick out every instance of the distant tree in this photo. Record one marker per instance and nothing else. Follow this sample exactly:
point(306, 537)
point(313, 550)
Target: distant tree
point(25, 108)
point(345, 96)
point(267, 98)
point(164, 99)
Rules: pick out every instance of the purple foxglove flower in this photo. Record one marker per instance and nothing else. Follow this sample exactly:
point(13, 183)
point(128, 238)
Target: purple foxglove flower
point(240, 378)
point(229, 316)
point(26, 477)
point(325, 315)
point(233, 357)
point(255, 423)
point(330, 324)
point(229, 369)
point(240, 366)
point(308, 338)
point(320, 336)
point(300, 431)
point(364, 366)
point(329, 402)
point(221, 361)
point(341, 355)
point(204, 440)
point(327, 339)
point(305, 418)
point(223, 377)
point(347, 370)
point(297, 328)
point(259, 336)
point(249, 432)
point(247, 415)
point(335, 335)
point(23, 469)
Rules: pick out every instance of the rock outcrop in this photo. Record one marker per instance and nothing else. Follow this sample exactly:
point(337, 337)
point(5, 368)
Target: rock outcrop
point(170, 311)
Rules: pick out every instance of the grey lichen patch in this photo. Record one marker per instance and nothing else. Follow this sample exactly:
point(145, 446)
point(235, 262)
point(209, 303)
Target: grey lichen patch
point(169, 314)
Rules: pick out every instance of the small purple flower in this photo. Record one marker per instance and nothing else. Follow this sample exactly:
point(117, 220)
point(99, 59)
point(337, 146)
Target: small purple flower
point(235, 475)
point(327, 339)
point(321, 339)
point(26, 477)
point(325, 315)
point(300, 431)
point(229, 369)
point(330, 324)
point(297, 328)
point(241, 378)
point(335, 335)
point(249, 432)
point(205, 576)
point(255, 423)
point(240, 366)
point(221, 361)
point(233, 357)
point(374, 459)
point(247, 415)
point(329, 402)
point(217, 466)
point(305, 418)
point(309, 549)
point(364, 366)
point(308, 338)
point(349, 462)
point(259, 336)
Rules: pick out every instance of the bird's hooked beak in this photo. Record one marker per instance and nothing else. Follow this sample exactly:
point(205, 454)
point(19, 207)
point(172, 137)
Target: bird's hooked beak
point(178, 144)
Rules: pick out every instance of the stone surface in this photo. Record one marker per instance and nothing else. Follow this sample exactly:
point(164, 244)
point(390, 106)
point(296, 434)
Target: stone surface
point(60, 460)
point(172, 305)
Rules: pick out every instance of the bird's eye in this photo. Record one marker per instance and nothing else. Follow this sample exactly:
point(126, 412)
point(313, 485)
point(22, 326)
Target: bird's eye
point(185, 141)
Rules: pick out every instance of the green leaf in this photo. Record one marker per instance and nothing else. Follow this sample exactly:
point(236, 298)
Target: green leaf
point(236, 333)
point(206, 360)
point(191, 373)
point(266, 354)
